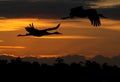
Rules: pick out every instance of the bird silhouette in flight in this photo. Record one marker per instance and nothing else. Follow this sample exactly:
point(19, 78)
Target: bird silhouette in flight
point(91, 14)
point(32, 31)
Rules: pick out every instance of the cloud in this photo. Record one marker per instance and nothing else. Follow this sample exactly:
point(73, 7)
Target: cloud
point(49, 8)
point(111, 12)
point(66, 37)
point(106, 3)
point(1, 40)
point(20, 0)
point(12, 47)
point(13, 9)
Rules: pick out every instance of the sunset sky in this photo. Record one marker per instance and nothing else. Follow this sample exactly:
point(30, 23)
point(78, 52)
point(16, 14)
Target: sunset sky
point(78, 36)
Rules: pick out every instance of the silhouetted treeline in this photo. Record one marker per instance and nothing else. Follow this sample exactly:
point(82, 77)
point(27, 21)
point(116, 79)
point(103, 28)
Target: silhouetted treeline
point(90, 71)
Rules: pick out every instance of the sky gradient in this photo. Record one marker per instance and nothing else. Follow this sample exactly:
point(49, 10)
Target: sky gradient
point(78, 36)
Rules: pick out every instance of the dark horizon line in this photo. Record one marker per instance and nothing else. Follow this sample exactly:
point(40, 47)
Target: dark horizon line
point(59, 56)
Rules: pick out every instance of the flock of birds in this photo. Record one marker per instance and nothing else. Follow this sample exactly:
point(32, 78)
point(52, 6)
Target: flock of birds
point(78, 12)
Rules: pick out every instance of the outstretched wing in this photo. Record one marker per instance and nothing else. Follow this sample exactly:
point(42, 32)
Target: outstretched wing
point(31, 28)
point(93, 17)
point(31, 25)
point(48, 29)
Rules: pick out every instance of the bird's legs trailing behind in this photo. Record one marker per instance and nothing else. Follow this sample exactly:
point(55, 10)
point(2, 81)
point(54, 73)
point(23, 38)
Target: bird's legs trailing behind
point(27, 34)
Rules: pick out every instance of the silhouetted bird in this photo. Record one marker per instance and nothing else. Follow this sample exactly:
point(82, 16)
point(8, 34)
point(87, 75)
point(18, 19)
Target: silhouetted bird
point(92, 15)
point(35, 32)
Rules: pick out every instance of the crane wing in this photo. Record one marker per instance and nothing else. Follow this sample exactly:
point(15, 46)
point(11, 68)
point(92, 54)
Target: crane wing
point(93, 17)
point(31, 28)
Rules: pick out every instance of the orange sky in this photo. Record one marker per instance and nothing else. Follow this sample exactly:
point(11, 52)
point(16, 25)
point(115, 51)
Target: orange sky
point(78, 37)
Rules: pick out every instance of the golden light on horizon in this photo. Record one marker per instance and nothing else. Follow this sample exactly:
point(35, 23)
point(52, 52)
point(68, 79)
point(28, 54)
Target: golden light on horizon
point(78, 36)
point(1, 41)
point(111, 24)
point(66, 37)
point(12, 47)
point(17, 24)
point(45, 56)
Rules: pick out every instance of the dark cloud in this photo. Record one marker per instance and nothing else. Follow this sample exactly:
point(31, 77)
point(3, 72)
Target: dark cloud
point(112, 12)
point(32, 9)
point(48, 9)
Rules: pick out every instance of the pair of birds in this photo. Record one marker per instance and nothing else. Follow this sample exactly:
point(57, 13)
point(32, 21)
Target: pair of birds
point(79, 12)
